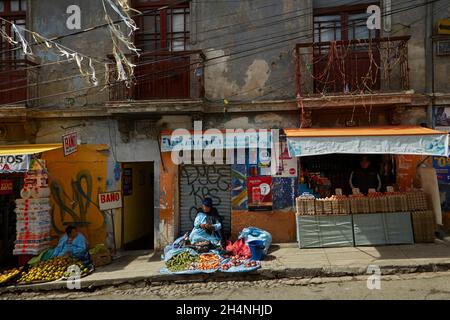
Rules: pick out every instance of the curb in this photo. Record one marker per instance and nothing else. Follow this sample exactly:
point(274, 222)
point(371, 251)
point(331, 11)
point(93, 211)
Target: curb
point(261, 274)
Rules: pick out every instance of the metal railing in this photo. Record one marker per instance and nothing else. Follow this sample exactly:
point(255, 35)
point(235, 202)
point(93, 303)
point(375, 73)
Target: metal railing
point(18, 81)
point(161, 75)
point(344, 67)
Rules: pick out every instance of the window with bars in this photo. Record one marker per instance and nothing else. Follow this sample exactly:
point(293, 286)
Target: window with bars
point(15, 12)
point(166, 29)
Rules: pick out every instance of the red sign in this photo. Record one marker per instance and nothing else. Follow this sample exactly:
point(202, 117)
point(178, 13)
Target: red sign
point(110, 200)
point(259, 190)
point(6, 187)
point(70, 143)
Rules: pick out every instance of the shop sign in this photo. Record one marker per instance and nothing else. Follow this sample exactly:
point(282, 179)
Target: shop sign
point(231, 139)
point(442, 166)
point(70, 143)
point(110, 200)
point(17, 163)
point(6, 187)
point(259, 191)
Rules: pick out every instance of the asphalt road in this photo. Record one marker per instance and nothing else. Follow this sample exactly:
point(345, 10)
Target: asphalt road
point(425, 286)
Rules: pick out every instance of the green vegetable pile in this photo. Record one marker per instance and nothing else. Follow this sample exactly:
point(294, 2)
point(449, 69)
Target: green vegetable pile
point(181, 262)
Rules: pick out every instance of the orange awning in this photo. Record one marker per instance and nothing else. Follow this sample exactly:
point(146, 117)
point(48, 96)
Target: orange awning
point(362, 131)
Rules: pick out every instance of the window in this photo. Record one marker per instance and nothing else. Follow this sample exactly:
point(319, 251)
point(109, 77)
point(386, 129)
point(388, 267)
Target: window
point(15, 12)
point(166, 29)
point(334, 24)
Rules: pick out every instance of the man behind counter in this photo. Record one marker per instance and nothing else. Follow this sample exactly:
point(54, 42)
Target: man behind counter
point(364, 177)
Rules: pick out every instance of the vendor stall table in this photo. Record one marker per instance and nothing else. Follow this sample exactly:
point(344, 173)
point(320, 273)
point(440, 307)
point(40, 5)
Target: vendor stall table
point(324, 231)
point(382, 229)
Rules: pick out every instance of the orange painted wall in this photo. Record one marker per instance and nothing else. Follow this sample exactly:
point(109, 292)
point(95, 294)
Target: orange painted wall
point(75, 182)
point(167, 196)
point(281, 225)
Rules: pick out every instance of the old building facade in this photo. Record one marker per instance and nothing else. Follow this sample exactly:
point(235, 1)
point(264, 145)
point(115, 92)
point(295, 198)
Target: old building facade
point(232, 65)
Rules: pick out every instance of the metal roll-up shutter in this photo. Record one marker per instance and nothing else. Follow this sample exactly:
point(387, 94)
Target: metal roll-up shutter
point(198, 181)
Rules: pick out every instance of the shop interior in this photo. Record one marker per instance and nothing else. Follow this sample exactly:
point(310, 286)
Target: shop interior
point(10, 186)
point(322, 175)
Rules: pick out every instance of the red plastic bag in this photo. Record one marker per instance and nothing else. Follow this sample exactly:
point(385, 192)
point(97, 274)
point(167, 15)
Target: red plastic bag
point(239, 248)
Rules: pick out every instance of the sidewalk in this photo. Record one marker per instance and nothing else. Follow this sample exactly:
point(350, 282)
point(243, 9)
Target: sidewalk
point(283, 261)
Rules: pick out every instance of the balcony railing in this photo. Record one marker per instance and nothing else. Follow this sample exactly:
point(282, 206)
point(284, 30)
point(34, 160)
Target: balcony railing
point(367, 65)
point(162, 75)
point(18, 81)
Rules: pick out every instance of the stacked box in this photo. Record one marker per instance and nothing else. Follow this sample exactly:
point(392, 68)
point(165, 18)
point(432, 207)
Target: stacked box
point(397, 202)
point(378, 204)
point(33, 215)
point(359, 205)
point(306, 206)
point(417, 200)
point(423, 226)
point(341, 206)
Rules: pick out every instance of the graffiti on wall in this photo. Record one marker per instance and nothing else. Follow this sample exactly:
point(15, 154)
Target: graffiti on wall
point(73, 207)
point(205, 181)
point(75, 183)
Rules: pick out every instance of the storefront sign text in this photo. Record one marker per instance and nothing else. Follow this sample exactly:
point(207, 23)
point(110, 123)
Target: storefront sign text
point(70, 143)
point(110, 200)
point(17, 163)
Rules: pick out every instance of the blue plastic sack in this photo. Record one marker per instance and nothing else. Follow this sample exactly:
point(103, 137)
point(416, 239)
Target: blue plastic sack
point(252, 233)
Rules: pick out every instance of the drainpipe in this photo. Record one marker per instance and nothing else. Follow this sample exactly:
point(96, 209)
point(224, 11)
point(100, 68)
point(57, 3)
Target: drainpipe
point(429, 65)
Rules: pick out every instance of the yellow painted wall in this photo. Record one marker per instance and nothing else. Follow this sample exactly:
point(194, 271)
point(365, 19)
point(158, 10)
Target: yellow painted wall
point(138, 207)
point(75, 182)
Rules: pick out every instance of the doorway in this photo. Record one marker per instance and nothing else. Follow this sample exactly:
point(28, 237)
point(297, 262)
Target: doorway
point(10, 186)
point(138, 207)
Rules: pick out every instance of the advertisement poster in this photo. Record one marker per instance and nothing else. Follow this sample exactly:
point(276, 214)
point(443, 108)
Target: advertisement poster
point(286, 166)
point(442, 117)
point(6, 187)
point(442, 166)
point(127, 182)
point(259, 190)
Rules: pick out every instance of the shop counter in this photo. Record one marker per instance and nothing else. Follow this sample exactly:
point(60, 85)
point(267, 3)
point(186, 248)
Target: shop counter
point(371, 229)
point(324, 231)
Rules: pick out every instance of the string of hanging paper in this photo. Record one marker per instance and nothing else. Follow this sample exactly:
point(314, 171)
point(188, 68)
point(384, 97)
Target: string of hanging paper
point(85, 64)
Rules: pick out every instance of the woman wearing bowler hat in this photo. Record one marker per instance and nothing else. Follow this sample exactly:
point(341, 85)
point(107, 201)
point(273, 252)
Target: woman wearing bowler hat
point(207, 225)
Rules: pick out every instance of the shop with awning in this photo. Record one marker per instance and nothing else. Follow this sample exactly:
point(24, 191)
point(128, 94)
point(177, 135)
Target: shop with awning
point(367, 186)
point(23, 181)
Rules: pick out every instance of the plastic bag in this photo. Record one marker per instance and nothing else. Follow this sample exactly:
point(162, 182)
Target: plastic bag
point(239, 248)
point(253, 233)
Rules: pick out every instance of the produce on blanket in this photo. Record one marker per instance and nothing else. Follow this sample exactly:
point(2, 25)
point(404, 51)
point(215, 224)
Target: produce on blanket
point(208, 261)
point(181, 262)
point(51, 270)
point(251, 264)
point(236, 262)
point(8, 274)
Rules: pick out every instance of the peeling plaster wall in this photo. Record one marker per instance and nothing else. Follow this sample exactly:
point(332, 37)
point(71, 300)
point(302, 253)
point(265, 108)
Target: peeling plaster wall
point(48, 18)
point(249, 46)
point(104, 131)
point(267, 120)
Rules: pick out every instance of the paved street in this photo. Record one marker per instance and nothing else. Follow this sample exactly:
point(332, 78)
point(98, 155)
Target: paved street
point(421, 286)
point(283, 261)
